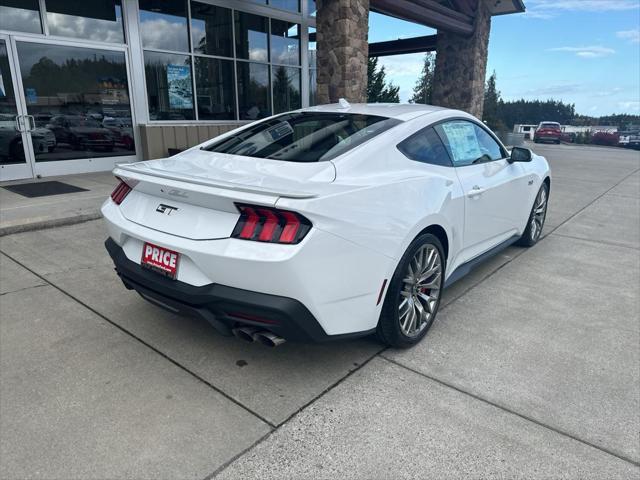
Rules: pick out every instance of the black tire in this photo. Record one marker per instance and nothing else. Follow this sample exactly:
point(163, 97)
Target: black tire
point(530, 237)
point(388, 330)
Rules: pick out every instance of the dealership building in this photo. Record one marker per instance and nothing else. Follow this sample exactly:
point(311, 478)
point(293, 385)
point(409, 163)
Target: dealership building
point(88, 84)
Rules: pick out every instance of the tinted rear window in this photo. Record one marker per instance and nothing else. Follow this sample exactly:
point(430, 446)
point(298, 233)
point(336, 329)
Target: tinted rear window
point(550, 125)
point(304, 136)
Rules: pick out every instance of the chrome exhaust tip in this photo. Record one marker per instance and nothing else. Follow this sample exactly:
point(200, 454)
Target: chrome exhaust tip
point(269, 339)
point(245, 333)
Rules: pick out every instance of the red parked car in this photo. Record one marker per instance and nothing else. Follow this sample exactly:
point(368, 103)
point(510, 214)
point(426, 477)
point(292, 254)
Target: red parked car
point(610, 139)
point(548, 132)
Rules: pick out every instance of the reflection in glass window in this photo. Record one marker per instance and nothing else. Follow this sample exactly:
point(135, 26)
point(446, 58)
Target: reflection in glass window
point(312, 47)
point(293, 5)
point(211, 30)
point(163, 24)
point(286, 88)
point(71, 92)
point(253, 90)
point(20, 15)
point(252, 41)
point(99, 21)
point(215, 89)
point(285, 42)
point(312, 8)
point(169, 86)
point(313, 86)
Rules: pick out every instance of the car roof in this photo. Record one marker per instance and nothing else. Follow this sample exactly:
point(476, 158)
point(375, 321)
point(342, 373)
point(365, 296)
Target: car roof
point(400, 111)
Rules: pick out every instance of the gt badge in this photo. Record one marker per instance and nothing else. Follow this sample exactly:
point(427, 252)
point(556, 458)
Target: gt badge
point(167, 209)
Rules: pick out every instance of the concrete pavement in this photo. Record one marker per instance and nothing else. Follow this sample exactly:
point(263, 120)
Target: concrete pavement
point(20, 214)
point(532, 369)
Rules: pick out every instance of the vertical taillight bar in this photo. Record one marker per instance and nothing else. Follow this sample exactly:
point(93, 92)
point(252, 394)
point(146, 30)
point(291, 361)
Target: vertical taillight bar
point(272, 225)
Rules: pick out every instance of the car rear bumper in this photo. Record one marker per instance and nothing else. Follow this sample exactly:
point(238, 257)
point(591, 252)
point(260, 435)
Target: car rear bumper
point(222, 306)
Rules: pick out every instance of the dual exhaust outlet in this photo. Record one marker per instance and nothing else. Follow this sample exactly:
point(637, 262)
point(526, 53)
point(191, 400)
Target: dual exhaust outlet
point(253, 334)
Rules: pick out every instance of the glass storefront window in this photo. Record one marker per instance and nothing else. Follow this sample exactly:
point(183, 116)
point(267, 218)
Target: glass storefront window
point(286, 89)
point(169, 86)
point(313, 86)
point(312, 47)
point(285, 42)
point(312, 8)
point(253, 90)
point(215, 89)
point(293, 5)
point(163, 25)
point(211, 30)
point(79, 98)
point(252, 42)
point(98, 21)
point(20, 15)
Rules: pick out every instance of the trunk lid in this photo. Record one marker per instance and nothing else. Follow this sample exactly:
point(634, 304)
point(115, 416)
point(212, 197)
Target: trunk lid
point(193, 195)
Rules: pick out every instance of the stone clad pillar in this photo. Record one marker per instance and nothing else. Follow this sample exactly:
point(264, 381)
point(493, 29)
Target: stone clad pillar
point(461, 65)
point(342, 28)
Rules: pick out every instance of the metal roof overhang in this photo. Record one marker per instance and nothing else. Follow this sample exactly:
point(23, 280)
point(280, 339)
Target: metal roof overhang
point(449, 15)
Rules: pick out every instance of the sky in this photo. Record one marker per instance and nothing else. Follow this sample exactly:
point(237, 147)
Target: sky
point(585, 52)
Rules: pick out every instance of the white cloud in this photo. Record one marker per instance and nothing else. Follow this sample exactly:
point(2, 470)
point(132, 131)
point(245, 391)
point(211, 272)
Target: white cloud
point(586, 52)
point(608, 93)
point(551, 8)
point(159, 33)
point(629, 107)
point(554, 89)
point(632, 35)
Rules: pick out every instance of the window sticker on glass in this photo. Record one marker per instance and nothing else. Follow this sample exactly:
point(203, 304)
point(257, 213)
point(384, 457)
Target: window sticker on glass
point(462, 141)
point(279, 131)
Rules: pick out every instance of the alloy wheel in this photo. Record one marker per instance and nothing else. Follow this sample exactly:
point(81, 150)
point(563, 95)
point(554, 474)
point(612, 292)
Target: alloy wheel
point(539, 214)
point(421, 290)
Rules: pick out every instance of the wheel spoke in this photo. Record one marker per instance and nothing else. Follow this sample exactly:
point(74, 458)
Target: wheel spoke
point(433, 283)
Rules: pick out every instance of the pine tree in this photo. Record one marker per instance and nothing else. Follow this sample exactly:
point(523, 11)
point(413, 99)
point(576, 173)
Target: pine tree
point(378, 91)
point(492, 100)
point(423, 89)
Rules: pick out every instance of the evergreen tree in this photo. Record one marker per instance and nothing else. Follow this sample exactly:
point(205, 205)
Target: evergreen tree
point(423, 90)
point(378, 90)
point(492, 102)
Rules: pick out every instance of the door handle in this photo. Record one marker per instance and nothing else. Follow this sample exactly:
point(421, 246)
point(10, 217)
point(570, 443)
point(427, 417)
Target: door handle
point(32, 122)
point(476, 191)
point(19, 124)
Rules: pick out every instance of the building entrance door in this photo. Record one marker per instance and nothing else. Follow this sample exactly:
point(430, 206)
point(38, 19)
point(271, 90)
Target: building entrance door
point(68, 108)
point(14, 123)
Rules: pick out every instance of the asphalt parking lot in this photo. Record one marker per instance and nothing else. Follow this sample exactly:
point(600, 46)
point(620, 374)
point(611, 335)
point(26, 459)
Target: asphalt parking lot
point(531, 370)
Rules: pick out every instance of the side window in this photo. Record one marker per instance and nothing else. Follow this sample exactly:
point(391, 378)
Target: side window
point(468, 143)
point(425, 146)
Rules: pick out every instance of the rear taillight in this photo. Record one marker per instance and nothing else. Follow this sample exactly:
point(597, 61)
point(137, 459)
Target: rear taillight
point(121, 191)
point(265, 224)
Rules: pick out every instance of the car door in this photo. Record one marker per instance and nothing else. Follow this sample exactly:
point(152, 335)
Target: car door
point(495, 190)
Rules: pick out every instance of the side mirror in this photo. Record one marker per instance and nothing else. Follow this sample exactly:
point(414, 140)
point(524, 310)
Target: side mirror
point(519, 154)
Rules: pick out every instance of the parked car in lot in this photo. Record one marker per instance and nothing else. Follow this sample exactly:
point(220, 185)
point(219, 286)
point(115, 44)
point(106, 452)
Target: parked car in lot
point(11, 146)
point(325, 223)
point(548, 132)
point(121, 130)
point(610, 139)
point(81, 133)
point(629, 140)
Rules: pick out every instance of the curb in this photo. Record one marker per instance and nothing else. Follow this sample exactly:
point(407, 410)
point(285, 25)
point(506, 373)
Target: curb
point(52, 223)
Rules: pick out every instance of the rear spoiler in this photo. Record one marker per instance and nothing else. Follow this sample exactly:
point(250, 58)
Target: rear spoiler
point(134, 171)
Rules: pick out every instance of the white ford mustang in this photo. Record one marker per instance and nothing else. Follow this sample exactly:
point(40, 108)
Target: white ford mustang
point(324, 223)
